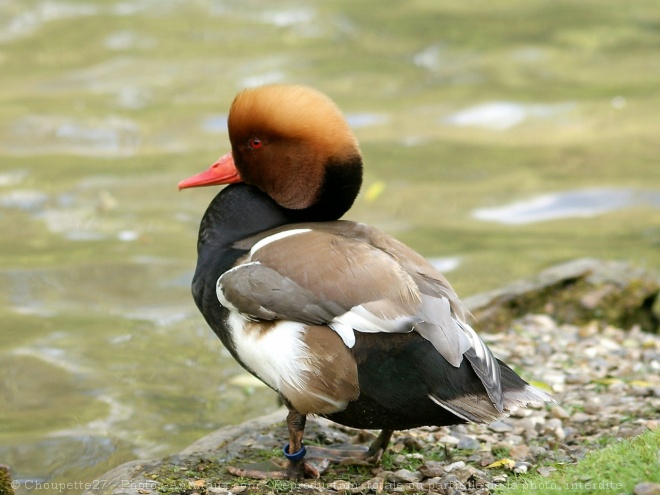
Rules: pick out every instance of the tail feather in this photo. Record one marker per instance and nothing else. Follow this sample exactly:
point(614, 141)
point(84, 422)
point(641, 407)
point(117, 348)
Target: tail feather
point(526, 396)
point(516, 393)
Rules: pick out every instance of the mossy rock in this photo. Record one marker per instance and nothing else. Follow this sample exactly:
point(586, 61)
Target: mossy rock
point(576, 292)
point(5, 481)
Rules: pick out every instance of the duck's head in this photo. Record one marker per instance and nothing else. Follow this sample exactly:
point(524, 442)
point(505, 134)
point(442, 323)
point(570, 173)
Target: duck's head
point(292, 143)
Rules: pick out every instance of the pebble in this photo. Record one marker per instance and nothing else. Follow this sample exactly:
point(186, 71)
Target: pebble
point(454, 465)
point(545, 471)
point(577, 378)
point(406, 476)
point(647, 488)
point(589, 330)
point(374, 485)
point(579, 366)
point(593, 406)
point(451, 480)
point(519, 452)
point(340, 485)
point(500, 426)
point(617, 387)
point(449, 440)
point(412, 443)
point(433, 469)
point(468, 443)
point(580, 417)
point(522, 469)
point(559, 412)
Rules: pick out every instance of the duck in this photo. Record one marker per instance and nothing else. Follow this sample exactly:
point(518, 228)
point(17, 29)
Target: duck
point(340, 319)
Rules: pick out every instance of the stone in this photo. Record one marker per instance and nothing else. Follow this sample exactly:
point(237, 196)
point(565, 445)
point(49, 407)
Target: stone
point(577, 378)
point(500, 426)
point(340, 485)
point(432, 469)
point(580, 417)
point(6, 484)
point(578, 292)
point(559, 412)
point(468, 443)
point(593, 406)
point(647, 488)
point(374, 485)
point(519, 452)
point(406, 476)
point(545, 471)
point(412, 443)
point(537, 451)
point(454, 465)
point(449, 440)
point(522, 469)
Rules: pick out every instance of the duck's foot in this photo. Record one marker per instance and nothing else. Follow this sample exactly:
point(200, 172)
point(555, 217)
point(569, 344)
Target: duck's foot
point(378, 446)
point(289, 470)
point(313, 461)
point(293, 468)
point(354, 454)
point(346, 455)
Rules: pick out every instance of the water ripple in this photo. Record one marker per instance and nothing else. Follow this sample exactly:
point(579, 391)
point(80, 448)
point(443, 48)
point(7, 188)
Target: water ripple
point(42, 134)
point(581, 203)
point(503, 115)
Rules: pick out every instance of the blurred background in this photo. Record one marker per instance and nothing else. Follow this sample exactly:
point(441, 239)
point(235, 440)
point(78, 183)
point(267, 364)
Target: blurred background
point(499, 137)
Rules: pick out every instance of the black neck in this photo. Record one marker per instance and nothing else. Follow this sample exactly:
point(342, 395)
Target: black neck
point(341, 185)
point(237, 212)
point(240, 211)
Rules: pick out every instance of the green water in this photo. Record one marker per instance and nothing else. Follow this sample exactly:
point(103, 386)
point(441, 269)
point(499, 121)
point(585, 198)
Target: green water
point(460, 107)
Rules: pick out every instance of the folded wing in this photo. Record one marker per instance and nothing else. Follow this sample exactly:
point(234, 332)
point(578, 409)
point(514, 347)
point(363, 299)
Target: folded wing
point(365, 281)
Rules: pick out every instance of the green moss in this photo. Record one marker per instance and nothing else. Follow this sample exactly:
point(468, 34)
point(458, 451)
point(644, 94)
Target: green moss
point(5, 481)
point(616, 468)
point(622, 307)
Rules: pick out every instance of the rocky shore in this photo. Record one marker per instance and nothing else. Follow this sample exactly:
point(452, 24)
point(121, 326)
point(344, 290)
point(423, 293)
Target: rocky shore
point(585, 331)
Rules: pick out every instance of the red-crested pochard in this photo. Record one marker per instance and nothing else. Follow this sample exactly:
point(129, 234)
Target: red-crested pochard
point(340, 319)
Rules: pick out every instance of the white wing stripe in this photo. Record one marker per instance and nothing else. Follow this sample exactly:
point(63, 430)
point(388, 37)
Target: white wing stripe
point(362, 320)
point(276, 237)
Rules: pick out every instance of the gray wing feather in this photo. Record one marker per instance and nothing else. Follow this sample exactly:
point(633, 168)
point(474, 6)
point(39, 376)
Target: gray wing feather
point(485, 366)
point(442, 330)
point(263, 293)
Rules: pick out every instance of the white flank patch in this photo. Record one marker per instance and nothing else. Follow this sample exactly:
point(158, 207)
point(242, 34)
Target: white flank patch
point(277, 356)
point(276, 237)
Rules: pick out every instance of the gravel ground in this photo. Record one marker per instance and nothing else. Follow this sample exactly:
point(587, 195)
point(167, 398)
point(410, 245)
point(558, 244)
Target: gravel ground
point(606, 381)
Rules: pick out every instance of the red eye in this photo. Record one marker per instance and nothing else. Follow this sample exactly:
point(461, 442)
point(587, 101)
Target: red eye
point(256, 143)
